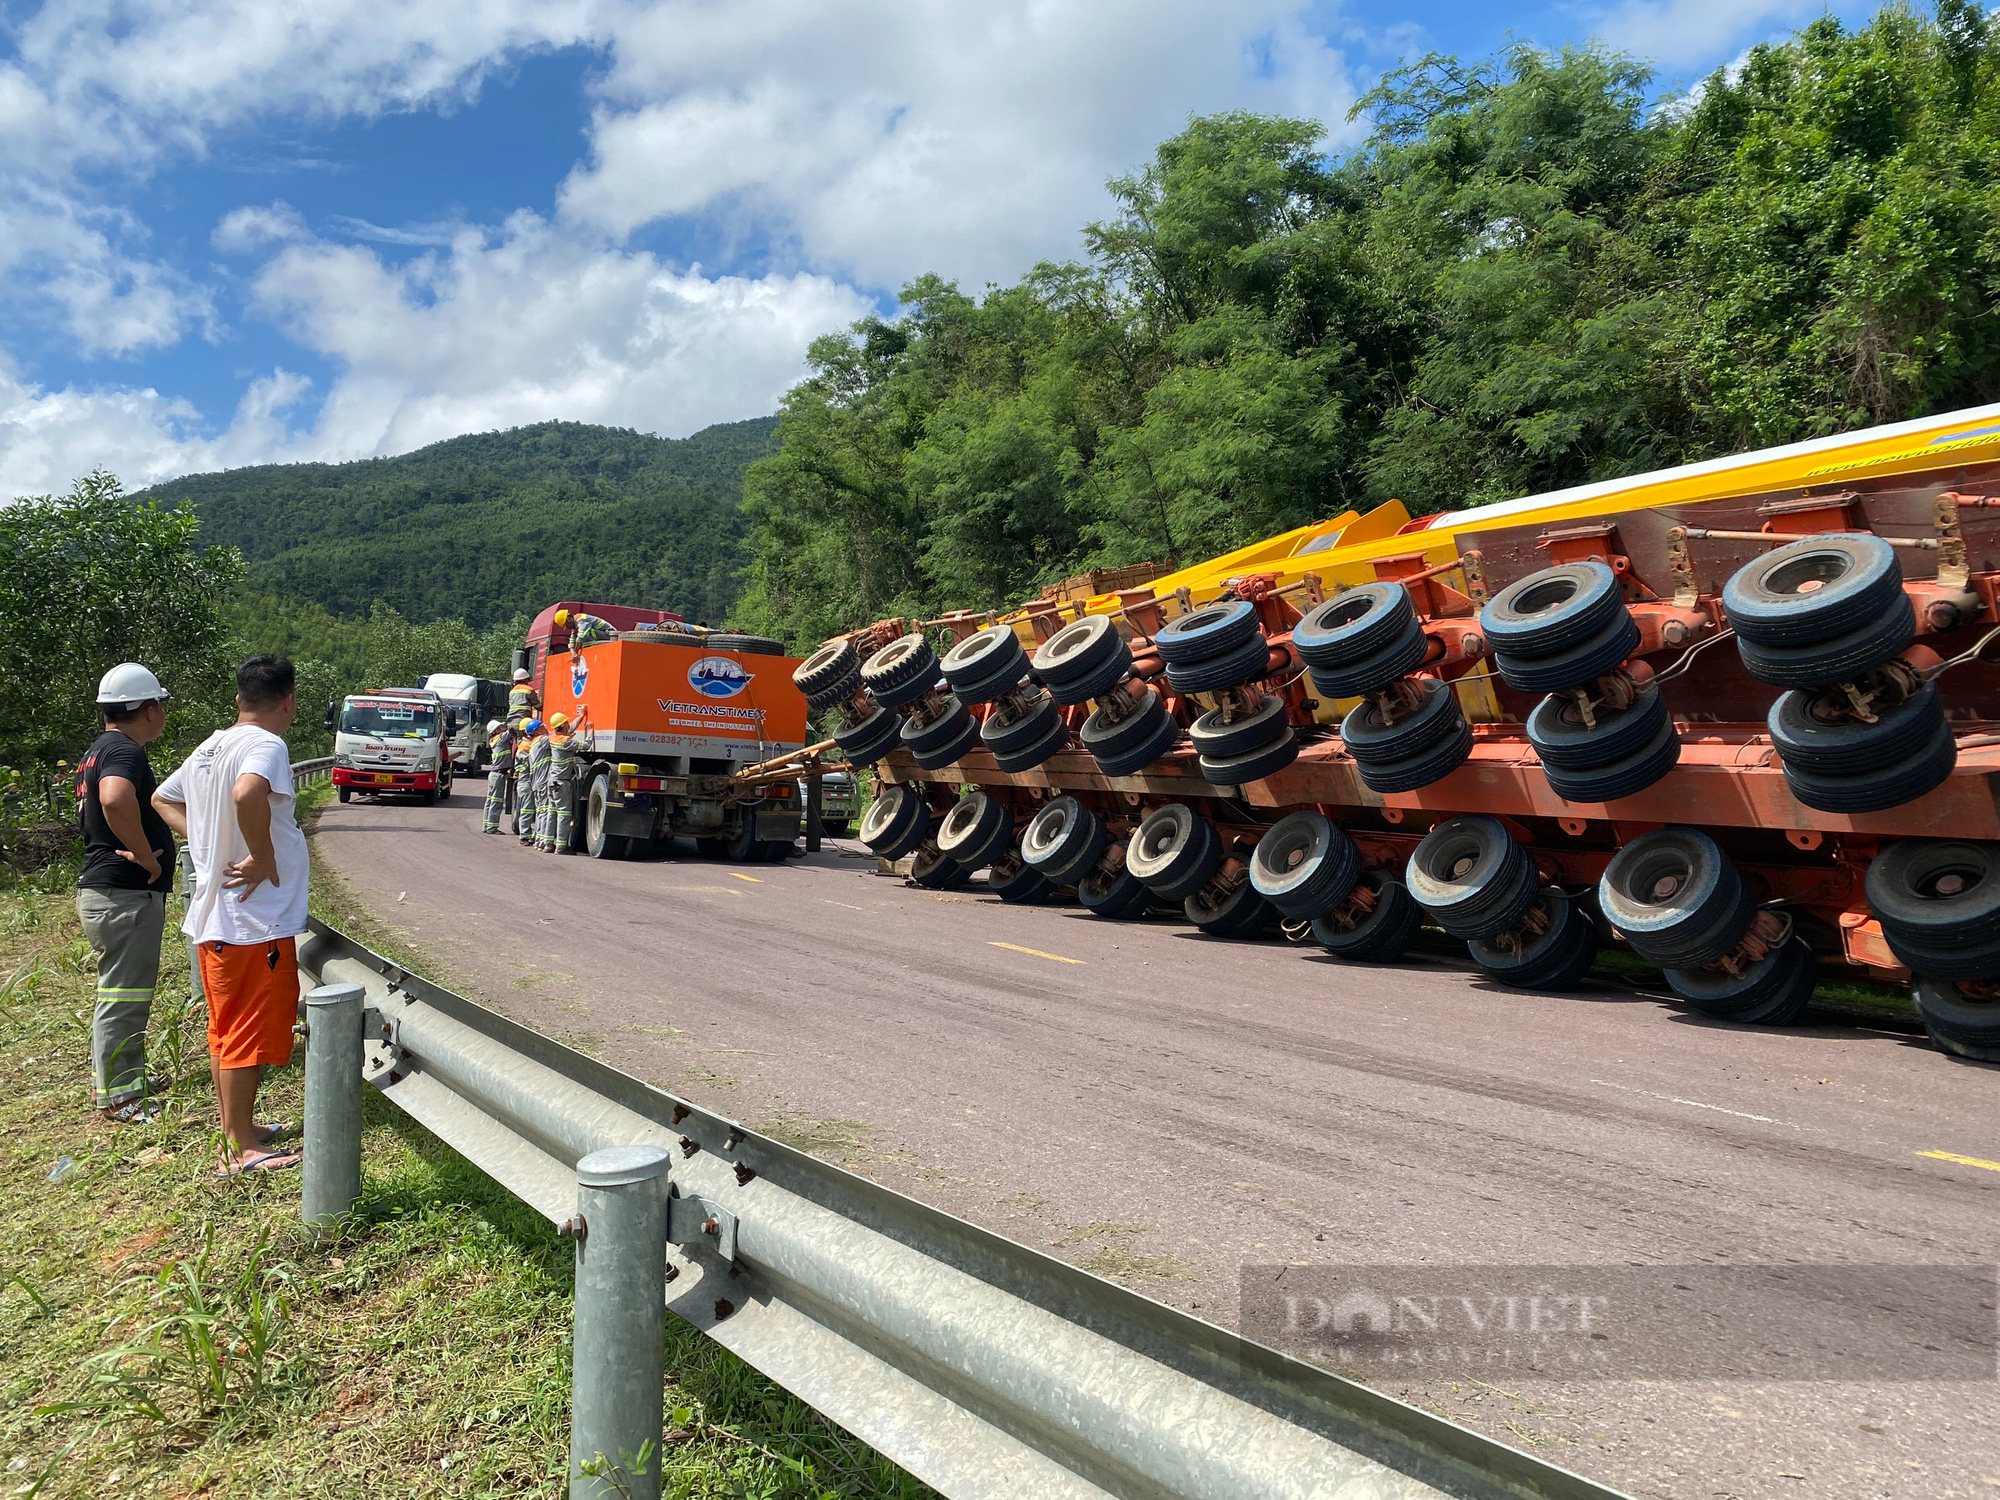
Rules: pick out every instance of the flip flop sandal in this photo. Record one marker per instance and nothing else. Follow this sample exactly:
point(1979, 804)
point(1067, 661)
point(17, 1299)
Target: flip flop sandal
point(276, 1131)
point(135, 1112)
point(269, 1161)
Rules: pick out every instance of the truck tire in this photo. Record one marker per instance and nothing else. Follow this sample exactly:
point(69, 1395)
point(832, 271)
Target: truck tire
point(1962, 1024)
point(1112, 739)
point(1064, 840)
point(1561, 738)
point(832, 673)
point(1813, 590)
point(1252, 765)
point(1553, 611)
point(1382, 934)
point(597, 842)
point(1471, 877)
point(1620, 778)
point(1081, 661)
point(1774, 991)
point(1004, 736)
point(1841, 658)
point(896, 822)
point(902, 671)
point(1304, 865)
point(976, 831)
point(1883, 786)
point(1243, 913)
point(1206, 633)
point(1554, 959)
point(1017, 882)
point(1047, 748)
point(1210, 736)
point(1119, 897)
point(1165, 734)
point(749, 645)
point(871, 739)
point(1938, 901)
point(1249, 662)
point(1577, 666)
point(937, 871)
point(1843, 747)
point(985, 665)
point(1370, 674)
point(1677, 899)
point(1173, 852)
point(346, 793)
point(835, 828)
point(1355, 625)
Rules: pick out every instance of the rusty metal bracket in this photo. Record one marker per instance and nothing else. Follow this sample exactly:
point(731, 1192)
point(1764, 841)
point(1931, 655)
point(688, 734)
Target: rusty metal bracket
point(699, 1221)
point(1953, 568)
point(1687, 590)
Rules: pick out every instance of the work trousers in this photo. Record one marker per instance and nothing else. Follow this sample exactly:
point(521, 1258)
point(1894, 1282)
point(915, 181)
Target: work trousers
point(554, 827)
point(124, 927)
point(496, 798)
point(532, 798)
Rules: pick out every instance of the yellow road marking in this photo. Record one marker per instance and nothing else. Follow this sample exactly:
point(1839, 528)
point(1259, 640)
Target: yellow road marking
point(1963, 1161)
point(1054, 958)
point(751, 878)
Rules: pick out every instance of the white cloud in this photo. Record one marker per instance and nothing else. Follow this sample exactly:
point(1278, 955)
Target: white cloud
point(1679, 33)
point(887, 137)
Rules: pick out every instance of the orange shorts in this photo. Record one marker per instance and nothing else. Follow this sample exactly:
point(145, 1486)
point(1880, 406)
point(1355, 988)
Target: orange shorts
point(253, 1001)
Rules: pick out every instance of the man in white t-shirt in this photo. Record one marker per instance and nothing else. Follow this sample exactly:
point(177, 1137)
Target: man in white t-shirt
point(232, 801)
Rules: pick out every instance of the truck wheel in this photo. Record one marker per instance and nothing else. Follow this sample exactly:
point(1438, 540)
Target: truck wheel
point(1845, 747)
point(1471, 876)
point(1173, 852)
point(1370, 674)
point(346, 793)
point(1677, 898)
point(1620, 778)
point(1355, 625)
point(1249, 662)
point(1418, 749)
point(1064, 841)
point(1111, 740)
point(1578, 666)
point(835, 828)
point(1842, 658)
point(976, 831)
point(1774, 991)
point(830, 675)
point(943, 741)
point(1252, 765)
point(902, 671)
point(871, 739)
point(1047, 748)
point(741, 846)
point(1812, 590)
point(1553, 610)
point(896, 822)
point(937, 871)
point(1380, 935)
point(1082, 660)
point(1120, 897)
point(1960, 1019)
point(1015, 881)
point(1561, 738)
point(1206, 633)
point(597, 842)
point(1210, 736)
point(1240, 914)
point(1304, 865)
point(1883, 786)
point(1938, 901)
point(1554, 959)
point(985, 665)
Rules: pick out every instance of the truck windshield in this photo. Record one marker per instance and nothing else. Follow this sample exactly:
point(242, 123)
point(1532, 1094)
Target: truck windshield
point(389, 721)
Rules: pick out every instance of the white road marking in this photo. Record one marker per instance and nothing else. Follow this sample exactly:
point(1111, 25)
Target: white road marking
point(1691, 1103)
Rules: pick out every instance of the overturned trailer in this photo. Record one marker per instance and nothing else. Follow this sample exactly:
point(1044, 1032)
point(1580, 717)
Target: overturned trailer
point(1737, 716)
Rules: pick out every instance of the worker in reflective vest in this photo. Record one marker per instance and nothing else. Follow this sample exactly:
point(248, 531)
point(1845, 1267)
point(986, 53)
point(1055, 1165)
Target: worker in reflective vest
point(531, 781)
point(523, 702)
point(584, 629)
point(499, 771)
point(563, 747)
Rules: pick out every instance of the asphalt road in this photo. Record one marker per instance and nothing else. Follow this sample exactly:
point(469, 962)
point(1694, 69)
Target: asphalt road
point(1168, 1109)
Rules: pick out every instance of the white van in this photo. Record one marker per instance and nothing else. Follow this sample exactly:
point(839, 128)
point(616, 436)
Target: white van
point(474, 700)
point(393, 740)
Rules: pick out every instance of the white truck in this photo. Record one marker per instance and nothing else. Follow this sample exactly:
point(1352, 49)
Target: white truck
point(394, 740)
point(474, 700)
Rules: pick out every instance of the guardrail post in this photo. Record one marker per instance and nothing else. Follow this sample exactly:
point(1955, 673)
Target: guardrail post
point(333, 1104)
point(618, 1377)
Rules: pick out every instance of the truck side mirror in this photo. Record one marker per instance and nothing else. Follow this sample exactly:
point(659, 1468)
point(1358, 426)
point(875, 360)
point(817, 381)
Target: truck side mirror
point(332, 716)
point(524, 660)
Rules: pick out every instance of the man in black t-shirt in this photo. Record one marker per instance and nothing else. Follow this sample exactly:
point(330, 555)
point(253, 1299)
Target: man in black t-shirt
point(121, 897)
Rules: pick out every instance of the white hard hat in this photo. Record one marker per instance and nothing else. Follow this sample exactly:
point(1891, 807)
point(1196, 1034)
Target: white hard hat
point(520, 674)
point(492, 725)
point(128, 682)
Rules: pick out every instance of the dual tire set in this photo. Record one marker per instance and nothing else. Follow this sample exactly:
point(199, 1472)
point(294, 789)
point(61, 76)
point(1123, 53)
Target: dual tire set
point(1825, 611)
point(1360, 643)
point(1087, 661)
point(1217, 649)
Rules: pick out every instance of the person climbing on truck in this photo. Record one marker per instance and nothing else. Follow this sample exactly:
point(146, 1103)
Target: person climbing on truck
point(585, 629)
point(499, 771)
point(531, 781)
point(523, 702)
point(563, 735)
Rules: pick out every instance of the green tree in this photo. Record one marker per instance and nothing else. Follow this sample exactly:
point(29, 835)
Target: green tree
point(91, 580)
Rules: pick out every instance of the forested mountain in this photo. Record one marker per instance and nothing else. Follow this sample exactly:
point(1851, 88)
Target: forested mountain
point(1532, 274)
point(492, 525)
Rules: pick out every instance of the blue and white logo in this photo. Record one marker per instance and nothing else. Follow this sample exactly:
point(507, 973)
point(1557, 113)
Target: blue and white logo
point(579, 674)
point(718, 677)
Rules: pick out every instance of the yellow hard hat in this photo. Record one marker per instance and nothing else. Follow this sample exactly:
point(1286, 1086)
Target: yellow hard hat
point(558, 721)
point(562, 617)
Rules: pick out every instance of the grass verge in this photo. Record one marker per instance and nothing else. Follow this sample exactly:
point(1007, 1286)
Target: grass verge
point(165, 1333)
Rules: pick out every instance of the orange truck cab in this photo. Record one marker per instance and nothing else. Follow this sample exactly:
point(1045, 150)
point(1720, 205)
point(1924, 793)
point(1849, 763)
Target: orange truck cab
point(670, 711)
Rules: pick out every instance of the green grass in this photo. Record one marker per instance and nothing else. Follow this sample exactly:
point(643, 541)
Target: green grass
point(165, 1333)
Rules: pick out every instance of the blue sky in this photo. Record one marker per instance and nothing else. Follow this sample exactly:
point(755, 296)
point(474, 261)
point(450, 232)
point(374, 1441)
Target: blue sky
point(235, 233)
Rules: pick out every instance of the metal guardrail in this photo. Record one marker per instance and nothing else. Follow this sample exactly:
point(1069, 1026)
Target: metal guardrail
point(306, 772)
point(981, 1366)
